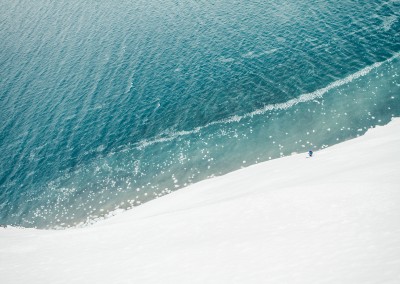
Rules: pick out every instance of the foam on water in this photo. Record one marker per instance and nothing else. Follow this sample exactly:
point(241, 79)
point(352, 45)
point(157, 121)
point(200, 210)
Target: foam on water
point(280, 106)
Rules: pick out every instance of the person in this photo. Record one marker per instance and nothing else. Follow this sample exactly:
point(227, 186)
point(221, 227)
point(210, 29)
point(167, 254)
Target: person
point(310, 153)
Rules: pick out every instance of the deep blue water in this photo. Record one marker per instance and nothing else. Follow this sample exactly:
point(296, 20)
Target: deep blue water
point(108, 104)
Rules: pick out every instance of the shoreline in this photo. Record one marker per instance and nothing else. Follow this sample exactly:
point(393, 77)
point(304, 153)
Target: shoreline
point(332, 218)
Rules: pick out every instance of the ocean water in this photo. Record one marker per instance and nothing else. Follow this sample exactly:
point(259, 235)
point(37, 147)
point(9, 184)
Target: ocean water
point(105, 105)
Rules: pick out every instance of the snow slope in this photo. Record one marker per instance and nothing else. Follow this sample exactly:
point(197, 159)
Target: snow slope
point(333, 218)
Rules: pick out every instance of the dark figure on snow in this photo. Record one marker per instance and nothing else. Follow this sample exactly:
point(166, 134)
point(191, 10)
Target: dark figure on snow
point(310, 153)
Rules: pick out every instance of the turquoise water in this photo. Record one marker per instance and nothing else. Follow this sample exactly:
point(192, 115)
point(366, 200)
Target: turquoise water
point(107, 105)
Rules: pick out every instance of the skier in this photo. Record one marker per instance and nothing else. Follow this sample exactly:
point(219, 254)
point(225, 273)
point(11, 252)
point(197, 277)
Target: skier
point(310, 153)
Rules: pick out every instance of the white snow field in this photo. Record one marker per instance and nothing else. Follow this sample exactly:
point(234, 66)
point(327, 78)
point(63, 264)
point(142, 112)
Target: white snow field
point(332, 218)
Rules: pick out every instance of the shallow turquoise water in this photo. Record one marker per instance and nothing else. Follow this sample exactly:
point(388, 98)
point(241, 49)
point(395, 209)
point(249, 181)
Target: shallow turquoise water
point(108, 105)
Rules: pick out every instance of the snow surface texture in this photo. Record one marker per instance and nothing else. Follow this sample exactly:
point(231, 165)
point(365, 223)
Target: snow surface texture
point(332, 218)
